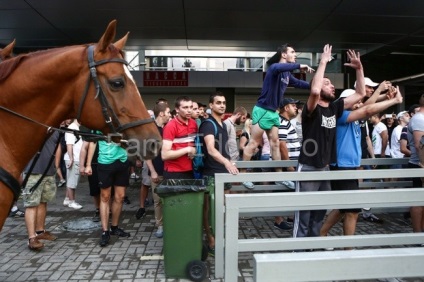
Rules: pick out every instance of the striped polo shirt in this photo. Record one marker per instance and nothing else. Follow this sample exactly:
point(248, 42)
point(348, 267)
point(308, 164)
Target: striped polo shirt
point(287, 132)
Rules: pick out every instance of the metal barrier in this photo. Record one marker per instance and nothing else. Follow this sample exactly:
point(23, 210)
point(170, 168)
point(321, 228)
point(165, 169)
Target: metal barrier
point(272, 203)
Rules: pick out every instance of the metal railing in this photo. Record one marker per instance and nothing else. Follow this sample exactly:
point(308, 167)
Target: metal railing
point(226, 251)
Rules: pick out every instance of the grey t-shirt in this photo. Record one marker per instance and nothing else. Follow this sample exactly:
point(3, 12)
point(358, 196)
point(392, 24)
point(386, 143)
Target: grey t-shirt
point(233, 150)
point(415, 124)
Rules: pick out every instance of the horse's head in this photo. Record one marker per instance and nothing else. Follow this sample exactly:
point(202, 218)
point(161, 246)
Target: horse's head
point(119, 99)
point(6, 52)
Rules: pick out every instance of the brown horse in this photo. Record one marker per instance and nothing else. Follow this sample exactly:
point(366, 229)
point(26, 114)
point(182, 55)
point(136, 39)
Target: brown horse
point(88, 82)
point(6, 52)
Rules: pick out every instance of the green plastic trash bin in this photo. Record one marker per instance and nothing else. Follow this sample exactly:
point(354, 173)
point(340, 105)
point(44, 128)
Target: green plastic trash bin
point(183, 229)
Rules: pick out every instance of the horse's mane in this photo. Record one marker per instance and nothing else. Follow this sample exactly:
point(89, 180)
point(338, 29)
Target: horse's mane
point(8, 66)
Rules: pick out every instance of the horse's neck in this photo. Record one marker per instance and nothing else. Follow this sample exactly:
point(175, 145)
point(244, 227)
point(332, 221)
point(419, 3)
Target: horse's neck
point(41, 88)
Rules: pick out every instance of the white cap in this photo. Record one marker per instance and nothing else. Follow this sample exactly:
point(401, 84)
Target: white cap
point(399, 115)
point(368, 82)
point(347, 93)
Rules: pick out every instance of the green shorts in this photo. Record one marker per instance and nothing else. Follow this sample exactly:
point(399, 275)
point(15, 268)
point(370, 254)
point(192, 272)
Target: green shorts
point(265, 118)
point(44, 193)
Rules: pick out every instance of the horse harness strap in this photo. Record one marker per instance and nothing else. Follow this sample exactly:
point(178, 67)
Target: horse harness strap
point(10, 182)
point(108, 113)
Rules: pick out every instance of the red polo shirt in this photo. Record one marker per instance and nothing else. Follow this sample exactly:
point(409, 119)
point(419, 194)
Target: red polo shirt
point(182, 135)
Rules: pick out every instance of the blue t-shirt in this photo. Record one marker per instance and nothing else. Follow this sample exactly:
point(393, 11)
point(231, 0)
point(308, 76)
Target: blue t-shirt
point(278, 77)
point(348, 142)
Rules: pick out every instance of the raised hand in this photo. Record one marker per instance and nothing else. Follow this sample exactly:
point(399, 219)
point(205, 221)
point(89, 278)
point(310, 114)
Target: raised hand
point(398, 96)
point(326, 54)
point(306, 68)
point(355, 60)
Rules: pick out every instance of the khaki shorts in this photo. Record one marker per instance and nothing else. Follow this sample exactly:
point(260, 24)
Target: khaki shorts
point(44, 193)
point(265, 118)
point(72, 175)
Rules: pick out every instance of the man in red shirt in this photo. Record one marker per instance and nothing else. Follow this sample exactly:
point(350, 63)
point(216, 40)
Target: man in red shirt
point(178, 141)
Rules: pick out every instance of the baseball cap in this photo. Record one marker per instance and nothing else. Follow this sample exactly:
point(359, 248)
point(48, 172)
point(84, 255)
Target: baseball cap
point(399, 115)
point(368, 82)
point(347, 93)
point(287, 101)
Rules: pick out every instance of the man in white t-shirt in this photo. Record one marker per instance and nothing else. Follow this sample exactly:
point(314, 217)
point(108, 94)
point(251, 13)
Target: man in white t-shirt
point(73, 149)
point(403, 120)
point(380, 137)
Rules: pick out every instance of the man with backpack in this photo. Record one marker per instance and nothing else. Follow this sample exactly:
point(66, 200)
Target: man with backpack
point(214, 137)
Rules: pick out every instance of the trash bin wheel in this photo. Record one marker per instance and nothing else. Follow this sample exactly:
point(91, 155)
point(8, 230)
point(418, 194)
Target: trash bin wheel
point(196, 270)
point(205, 252)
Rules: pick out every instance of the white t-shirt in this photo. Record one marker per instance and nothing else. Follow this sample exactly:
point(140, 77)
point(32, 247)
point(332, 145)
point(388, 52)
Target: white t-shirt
point(395, 142)
point(377, 140)
point(71, 139)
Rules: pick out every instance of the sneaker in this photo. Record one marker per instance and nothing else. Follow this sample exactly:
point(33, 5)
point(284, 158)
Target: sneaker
point(126, 200)
point(61, 183)
point(290, 219)
point(159, 232)
point(283, 225)
point(288, 184)
point(104, 240)
point(17, 213)
point(46, 235)
point(119, 232)
point(372, 218)
point(96, 217)
point(66, 202)
point(134, 176)
point(74, 205)
point(141, 212)
point(34, 244)
point(248, 185)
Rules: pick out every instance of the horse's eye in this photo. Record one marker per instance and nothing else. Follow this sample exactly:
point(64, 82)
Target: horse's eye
point(117, 84)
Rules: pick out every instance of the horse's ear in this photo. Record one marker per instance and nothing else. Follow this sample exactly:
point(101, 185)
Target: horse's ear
point(120, 44)
point(7, 51)
point(107, 37)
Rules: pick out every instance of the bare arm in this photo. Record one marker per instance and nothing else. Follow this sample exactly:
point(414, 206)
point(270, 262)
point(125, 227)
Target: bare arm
point(57, 159)
point(384, 141)
point(69, 149)
point(318, 80)
point(169, 154)
point(404, 148)
point(374, 108)
point(285, 154)
point(355, 62)
point(369, 147)
point(377, 96)
point(153, 174)
point(214, 153)
point(91, 149)
point(83, 155)
point(417, 135)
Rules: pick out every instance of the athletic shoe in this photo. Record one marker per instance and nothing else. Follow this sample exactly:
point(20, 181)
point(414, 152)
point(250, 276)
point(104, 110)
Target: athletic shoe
point(126, 200)
point(141, 212)
point(283, 225)
point(104, 239)
point(134, 176)
point(119, 232)
point(17, 213)
point(34, 244)
point(159, 232)
point(66, 202)
point(248, 185)
point(61, 183)
point(372, 218)
point(46, 235)
point(74, 205)
point(288, 184)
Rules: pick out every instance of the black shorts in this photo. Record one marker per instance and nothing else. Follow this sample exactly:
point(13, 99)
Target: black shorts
point(93, 181)
point(344, 185)
point(177, 175)
point(114, 174)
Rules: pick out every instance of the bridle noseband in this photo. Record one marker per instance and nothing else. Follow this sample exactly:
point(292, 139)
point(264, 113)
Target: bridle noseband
point(109, 115)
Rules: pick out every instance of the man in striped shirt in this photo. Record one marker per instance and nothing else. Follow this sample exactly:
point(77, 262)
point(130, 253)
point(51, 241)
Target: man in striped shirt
point(289, 148)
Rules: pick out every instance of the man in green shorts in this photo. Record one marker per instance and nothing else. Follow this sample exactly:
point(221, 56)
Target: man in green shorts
point(265, 115)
